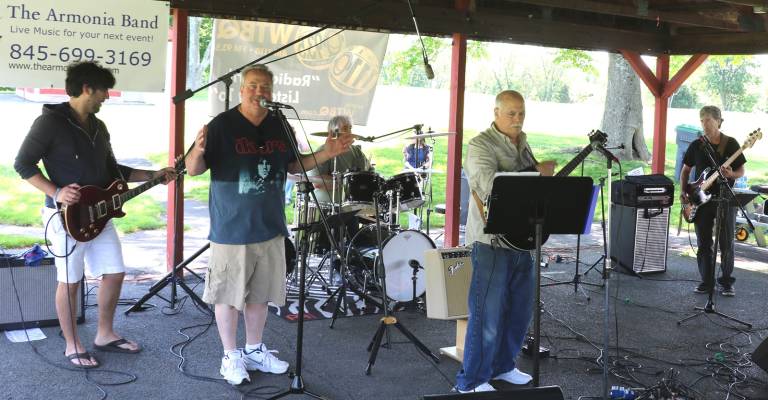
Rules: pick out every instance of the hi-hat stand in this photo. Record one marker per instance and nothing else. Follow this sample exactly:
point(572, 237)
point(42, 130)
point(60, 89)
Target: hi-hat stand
point(388, 318)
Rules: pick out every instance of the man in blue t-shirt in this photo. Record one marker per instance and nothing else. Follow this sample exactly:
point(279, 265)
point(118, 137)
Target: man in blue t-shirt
point(249, 155)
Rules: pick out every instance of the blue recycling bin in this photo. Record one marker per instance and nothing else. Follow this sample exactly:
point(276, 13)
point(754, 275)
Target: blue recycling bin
point(686, 134)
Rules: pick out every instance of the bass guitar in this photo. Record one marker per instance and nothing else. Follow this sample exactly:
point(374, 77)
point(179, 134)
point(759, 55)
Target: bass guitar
point(527, 240)
point(697, 192)
point(85, 219)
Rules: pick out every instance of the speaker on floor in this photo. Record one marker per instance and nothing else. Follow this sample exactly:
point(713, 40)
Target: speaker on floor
point(760, 355)
point(639, 238)
point(534, 393)
point(36, 288)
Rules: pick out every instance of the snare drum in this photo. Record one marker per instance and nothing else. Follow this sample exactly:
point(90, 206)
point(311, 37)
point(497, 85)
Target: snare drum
point(358, 189)
point(408, 185)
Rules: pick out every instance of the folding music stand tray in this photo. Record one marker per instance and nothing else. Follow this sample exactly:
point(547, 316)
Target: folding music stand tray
point(546, 205)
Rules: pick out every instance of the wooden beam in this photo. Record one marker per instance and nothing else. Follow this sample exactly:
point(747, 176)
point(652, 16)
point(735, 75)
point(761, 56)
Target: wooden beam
point(175, 212)
point(455, 124)
point(722, 43)
point(643, 71)
point(484, 24)
point(692, 18)
point(689, 68)
point(660, 116)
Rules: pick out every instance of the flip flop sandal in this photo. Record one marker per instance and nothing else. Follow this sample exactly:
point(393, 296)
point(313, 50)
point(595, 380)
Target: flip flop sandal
point(114, 347)
point(82, 356)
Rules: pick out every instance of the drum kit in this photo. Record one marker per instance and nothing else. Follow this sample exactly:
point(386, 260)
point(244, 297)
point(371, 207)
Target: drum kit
point(355, 197)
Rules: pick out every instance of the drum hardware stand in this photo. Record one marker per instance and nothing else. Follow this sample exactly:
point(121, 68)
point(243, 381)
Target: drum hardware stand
point(388, 318)
point(722, 205)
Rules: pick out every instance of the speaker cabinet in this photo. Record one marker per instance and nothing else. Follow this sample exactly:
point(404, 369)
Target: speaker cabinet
point(448, 274)
point(534, 393)
point(36, 288)
point(639, 238)
point(760, 355)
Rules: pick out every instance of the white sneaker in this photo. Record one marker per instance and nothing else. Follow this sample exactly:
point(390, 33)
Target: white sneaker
point(515, 377)
point(233, 368)
point(264, 360)
point(483, 387)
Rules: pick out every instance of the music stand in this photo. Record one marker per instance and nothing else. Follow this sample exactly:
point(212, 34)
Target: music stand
point(532, 213)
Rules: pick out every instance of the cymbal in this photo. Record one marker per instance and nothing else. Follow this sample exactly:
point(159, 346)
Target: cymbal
point(430, 135)
point(325, 134)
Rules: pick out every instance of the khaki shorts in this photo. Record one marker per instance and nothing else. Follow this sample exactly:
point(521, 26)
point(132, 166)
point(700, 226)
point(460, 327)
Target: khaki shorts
point(246, 273)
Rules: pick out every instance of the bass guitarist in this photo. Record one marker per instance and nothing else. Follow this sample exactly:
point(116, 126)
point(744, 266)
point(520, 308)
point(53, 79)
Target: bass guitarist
point(696, 156)
point(75, 149)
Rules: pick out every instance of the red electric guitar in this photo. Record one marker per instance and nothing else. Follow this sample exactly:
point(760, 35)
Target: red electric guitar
point(85, 219)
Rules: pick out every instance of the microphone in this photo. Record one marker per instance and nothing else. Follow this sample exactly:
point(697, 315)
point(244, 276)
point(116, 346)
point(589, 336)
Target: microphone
point(606, 153)
point(264, 103)
point(414, 264)
point(428, 70)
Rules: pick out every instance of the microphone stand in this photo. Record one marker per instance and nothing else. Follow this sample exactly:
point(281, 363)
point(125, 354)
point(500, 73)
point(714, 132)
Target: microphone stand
point(297, 383)
point(722, 203)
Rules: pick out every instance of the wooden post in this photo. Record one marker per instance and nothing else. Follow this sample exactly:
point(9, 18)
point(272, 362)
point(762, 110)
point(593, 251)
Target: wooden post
point(175, 212)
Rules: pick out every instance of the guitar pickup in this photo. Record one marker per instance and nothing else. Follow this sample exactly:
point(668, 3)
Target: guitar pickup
point(101, 209)
point(116, 202)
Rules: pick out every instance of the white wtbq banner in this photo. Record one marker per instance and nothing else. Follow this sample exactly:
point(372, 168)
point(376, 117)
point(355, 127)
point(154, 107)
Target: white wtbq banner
point(40, 38)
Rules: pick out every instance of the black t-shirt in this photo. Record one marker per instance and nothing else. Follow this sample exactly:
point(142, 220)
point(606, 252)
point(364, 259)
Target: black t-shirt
point(248, 169)
point(696, 156)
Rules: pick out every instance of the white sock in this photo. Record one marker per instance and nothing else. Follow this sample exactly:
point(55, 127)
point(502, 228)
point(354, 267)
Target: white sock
point(232, 353)
point(252, 347)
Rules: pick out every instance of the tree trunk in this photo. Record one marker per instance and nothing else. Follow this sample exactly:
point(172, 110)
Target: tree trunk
point(623, 114)
point(193, 53)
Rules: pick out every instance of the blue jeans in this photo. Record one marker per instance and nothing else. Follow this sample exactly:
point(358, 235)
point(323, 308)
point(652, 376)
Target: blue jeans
point(500, 309)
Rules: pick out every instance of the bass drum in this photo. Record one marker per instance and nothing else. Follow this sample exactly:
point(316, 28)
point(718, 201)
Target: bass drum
point(400, 250)
point(290, 257)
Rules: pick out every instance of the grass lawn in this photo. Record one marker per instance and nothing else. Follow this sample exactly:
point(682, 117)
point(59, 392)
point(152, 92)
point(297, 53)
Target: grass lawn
point(21, 202)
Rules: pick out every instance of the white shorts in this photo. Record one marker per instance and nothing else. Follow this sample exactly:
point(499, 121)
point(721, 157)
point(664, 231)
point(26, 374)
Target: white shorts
point(102, 255)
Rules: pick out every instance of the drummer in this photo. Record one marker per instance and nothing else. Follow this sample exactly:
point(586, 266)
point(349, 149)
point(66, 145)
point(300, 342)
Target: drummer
point(418, 154)
point(352, 161)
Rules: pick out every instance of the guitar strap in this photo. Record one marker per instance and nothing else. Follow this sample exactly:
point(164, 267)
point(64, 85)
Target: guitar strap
point(480, 206)
point(721, 145)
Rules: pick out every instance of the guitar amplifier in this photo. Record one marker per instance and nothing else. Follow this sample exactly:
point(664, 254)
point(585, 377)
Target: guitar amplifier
point(643, 191)
point(36, 288)
point(448, 274)
point(639, 238)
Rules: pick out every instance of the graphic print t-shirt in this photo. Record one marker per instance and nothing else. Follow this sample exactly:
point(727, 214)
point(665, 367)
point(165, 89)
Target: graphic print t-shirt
point(248, 168)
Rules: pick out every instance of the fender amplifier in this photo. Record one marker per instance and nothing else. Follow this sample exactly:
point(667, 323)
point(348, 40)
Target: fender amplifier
point(448, 273)
point(643, 191)
point(36, 288)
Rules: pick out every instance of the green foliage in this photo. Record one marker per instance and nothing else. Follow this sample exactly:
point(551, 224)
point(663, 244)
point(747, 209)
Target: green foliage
point(576, 59)
point(730, 78)
point(405, 67)
point(19, 241)
point(685, 97)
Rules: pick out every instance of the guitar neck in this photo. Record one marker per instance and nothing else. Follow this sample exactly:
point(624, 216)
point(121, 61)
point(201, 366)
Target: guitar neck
point(576, 161)
point(709, 181)
point(131, 193)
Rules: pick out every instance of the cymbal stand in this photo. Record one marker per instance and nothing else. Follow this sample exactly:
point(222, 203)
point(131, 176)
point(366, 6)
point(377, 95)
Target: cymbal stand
point(388, 318)
point(330, 256)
